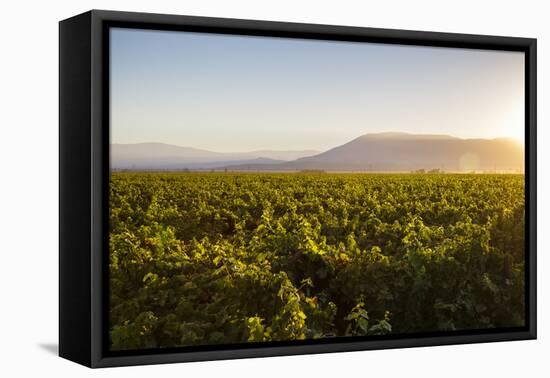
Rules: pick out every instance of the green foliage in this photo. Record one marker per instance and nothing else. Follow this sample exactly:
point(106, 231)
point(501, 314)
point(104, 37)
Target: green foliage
point(230, 258)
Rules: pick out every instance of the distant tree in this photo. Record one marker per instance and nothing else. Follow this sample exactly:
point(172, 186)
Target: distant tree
point(312, 171)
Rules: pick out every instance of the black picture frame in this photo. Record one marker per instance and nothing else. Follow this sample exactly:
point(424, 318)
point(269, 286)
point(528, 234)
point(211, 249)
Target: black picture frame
point(84, 172)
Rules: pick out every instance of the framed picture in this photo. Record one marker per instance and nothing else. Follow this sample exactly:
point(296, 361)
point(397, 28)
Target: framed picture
point(236, 188)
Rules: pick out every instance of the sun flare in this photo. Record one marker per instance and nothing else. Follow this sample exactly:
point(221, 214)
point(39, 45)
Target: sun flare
point(513, 124)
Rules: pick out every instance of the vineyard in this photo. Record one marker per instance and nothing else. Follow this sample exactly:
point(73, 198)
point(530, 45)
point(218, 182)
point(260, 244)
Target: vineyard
point(220, 258)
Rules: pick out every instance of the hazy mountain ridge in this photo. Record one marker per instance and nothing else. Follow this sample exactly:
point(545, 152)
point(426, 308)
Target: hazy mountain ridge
point(405, 152)
point(387, 152)
point(166, 156)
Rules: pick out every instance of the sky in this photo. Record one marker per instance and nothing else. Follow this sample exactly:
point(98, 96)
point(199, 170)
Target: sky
point(242, 93)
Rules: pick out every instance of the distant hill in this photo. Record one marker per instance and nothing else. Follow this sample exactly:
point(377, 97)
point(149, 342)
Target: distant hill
point(389, 152)
point(166, 156)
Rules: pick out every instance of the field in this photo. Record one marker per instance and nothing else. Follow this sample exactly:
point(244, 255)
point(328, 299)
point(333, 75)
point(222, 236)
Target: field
point(220, 258)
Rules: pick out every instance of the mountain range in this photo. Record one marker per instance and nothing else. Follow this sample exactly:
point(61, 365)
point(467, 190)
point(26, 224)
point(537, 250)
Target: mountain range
point(381, 152)
point(161, 156)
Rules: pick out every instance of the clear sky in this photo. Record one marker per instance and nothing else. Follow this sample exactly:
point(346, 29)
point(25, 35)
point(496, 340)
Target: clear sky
point(241, 93)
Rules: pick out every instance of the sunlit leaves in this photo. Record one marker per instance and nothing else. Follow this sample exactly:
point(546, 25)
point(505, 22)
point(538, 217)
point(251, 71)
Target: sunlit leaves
point(232, 258)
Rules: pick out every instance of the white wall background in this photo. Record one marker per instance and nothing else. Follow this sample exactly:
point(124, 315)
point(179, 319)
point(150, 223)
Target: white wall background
point(29, 189)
